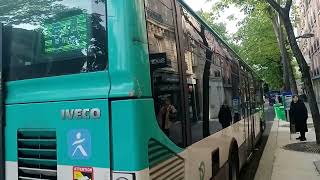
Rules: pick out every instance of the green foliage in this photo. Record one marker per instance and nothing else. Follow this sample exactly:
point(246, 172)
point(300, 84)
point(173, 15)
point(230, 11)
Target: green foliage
point(20, 11)
point(259, 46)
point(219, 28)
point(16, 12)
point(257, 40)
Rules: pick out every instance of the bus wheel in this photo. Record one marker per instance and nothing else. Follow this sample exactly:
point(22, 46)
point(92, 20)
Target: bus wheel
point(234, 167)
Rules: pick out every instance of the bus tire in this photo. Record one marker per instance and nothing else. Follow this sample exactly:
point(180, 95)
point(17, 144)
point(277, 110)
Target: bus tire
point(234, 166)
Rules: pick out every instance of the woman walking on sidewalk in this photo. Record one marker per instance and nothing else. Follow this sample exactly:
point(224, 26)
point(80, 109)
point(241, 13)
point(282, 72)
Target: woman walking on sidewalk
point(299, 115)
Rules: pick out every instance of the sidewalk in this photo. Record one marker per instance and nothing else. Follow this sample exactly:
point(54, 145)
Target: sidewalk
point(279, 164)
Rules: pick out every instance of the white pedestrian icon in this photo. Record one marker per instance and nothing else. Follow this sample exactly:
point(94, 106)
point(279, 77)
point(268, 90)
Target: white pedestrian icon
point(78, 144)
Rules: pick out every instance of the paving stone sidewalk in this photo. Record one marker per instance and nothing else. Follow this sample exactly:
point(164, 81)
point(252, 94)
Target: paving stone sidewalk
point(278, 163)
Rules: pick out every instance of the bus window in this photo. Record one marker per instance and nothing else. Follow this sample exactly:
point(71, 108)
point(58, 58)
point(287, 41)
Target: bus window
point(195, 57)
point(198, 50)
point(164, 67)
point(244, 95)
point(235, 92)
point(51, 38)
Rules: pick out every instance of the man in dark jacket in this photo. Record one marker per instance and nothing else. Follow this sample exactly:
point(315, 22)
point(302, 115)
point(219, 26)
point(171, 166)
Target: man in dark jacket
point(299, 115)
point(225, 116)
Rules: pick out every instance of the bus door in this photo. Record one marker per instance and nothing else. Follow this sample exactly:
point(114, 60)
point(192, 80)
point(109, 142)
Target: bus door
point(251, 114)
point(244, 106)
point(248, 119)
point(252, 126)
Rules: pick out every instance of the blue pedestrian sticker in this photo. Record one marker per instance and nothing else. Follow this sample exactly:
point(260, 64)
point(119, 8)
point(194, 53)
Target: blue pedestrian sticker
point(79, 144)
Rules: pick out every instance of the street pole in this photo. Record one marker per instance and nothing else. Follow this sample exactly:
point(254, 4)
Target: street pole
point(288, 118)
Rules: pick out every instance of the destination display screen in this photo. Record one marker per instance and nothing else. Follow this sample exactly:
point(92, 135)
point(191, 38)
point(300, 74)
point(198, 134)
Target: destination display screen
point(65, 35)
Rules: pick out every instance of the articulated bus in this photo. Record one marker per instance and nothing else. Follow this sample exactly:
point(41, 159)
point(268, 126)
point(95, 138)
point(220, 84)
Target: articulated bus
point(121, 90)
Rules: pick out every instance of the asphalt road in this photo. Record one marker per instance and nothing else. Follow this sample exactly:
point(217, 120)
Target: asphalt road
point(249, 170)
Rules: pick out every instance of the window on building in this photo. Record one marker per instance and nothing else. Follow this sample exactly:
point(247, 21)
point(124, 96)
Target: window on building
point(164, 67)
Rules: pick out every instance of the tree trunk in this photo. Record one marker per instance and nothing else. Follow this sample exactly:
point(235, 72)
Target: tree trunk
point(305, 73)
point(285, 60)
point(283, 50)
point(293, 82)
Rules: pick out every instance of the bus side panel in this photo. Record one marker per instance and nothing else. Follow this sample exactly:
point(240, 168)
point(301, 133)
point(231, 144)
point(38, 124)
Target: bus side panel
point(133, 125)
point(199, 155)
point(66, 143)
point(128, 49)
point(241, 138)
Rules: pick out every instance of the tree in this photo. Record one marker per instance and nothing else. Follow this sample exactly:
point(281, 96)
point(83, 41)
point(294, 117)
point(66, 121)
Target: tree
point(249, 6)
point(256, 42)
point(288, 76)
point(220, 28)
point(284, 13)
point(259, 47)
point(32, 11)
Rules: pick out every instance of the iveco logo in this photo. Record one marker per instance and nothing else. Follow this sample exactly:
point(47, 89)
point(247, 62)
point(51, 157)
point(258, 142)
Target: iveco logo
point(93, 113)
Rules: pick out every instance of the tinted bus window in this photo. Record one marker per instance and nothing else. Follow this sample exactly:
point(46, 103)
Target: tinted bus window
point(199, 45)
point(53, 37)
point(195, 58)
point(164, 67)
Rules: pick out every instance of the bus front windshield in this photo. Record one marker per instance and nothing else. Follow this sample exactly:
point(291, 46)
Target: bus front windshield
point(53, 37)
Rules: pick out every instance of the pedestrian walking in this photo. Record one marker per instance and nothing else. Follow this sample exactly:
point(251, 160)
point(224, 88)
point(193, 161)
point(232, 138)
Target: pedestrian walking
point(225, 116)
point(299, 115)
point(279, 99)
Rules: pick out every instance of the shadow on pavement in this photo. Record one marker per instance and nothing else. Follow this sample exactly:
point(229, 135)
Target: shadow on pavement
point(249, 170)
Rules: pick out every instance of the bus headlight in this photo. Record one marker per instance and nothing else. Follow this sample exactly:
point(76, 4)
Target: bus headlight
point(123, 176)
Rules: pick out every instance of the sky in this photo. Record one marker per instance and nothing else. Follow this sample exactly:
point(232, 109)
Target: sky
point(231, 25)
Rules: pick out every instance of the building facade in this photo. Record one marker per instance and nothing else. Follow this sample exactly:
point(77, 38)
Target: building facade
point(310, 47)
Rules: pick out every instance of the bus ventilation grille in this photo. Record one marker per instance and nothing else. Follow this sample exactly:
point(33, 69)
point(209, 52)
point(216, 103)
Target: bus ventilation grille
point(37, 154)
point(164, 164)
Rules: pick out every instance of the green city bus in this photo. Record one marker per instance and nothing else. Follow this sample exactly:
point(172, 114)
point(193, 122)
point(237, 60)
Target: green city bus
point(121, 90)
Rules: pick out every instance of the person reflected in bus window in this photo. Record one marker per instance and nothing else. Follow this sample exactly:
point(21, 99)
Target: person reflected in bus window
point(299, 115)
point(225, 116)
point(280, 99)
point(166, 116)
